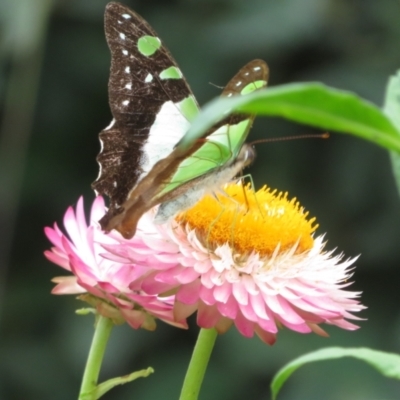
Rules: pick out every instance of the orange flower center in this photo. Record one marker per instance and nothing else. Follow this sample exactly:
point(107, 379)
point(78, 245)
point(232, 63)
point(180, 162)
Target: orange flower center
point(251, 221)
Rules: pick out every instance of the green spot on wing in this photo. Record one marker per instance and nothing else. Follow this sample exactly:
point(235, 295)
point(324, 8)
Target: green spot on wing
point(253, 86)
point(189, 108)
point(171, 73)
point(148, 45)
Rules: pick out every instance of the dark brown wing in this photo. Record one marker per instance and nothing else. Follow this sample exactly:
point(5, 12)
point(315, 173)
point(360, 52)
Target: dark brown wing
point(136, 95)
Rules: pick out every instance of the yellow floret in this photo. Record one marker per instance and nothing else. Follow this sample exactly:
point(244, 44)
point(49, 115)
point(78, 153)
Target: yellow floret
point(251, 221)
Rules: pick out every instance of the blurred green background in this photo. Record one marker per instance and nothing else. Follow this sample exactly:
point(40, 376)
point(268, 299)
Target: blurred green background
point(53, 93)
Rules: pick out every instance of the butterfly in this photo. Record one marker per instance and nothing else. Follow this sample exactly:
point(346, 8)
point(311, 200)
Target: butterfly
point(142, 161)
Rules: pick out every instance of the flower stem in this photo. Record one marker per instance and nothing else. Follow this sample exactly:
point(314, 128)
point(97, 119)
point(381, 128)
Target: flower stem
point(93, 364)
point(198, 364)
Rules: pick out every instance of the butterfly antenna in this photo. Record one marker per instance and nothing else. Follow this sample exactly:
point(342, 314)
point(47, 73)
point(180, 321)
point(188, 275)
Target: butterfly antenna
point(215, 85)
point(280, 139)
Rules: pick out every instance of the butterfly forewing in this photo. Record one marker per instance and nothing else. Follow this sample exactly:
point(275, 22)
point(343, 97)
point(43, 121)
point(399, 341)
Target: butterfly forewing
point(150, 101)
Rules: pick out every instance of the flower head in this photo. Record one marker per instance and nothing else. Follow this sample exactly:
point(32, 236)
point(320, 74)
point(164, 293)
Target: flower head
point(248, 259)
point(100, 278)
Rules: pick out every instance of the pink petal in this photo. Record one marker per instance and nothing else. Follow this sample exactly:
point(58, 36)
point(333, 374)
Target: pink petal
point(53, 236)
point(266, 337)
point(66, 285)
point(207, 316)
point(58, 259)
point(223, 325)
point(151, 285)
point(223, 292)
point(240, 293)
point(207, 296)
point(229, 309)
point(244, 326)
point(258, 304)
point(248, 312)
point(98, 209)
point(187, 275)
point(268, 325)
point(183, 311)
point(189, 294)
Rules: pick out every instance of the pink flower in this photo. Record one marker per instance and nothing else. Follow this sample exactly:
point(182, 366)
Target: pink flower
point(248, 259)
point(104, 282)
point(245, 259)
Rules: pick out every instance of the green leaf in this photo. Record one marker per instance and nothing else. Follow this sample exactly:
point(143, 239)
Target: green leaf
point(104, 387)
point(392, 100)
point(392, 110)
point(86, 311)
point(386, 363)
point(313, 104)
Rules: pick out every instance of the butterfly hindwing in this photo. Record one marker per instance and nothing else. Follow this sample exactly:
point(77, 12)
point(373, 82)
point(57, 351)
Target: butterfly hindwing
point(224, 141)
point(150, 101)
point(222, 155)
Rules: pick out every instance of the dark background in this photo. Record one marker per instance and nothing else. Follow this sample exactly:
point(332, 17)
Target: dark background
point(53, 88)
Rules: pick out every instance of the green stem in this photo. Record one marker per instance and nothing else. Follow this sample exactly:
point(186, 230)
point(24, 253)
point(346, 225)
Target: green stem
point(93, 364)
point(198, 364)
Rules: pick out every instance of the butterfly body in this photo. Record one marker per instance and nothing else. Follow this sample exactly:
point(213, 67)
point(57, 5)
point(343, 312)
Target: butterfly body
point(142, 163)
point(188, 194)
